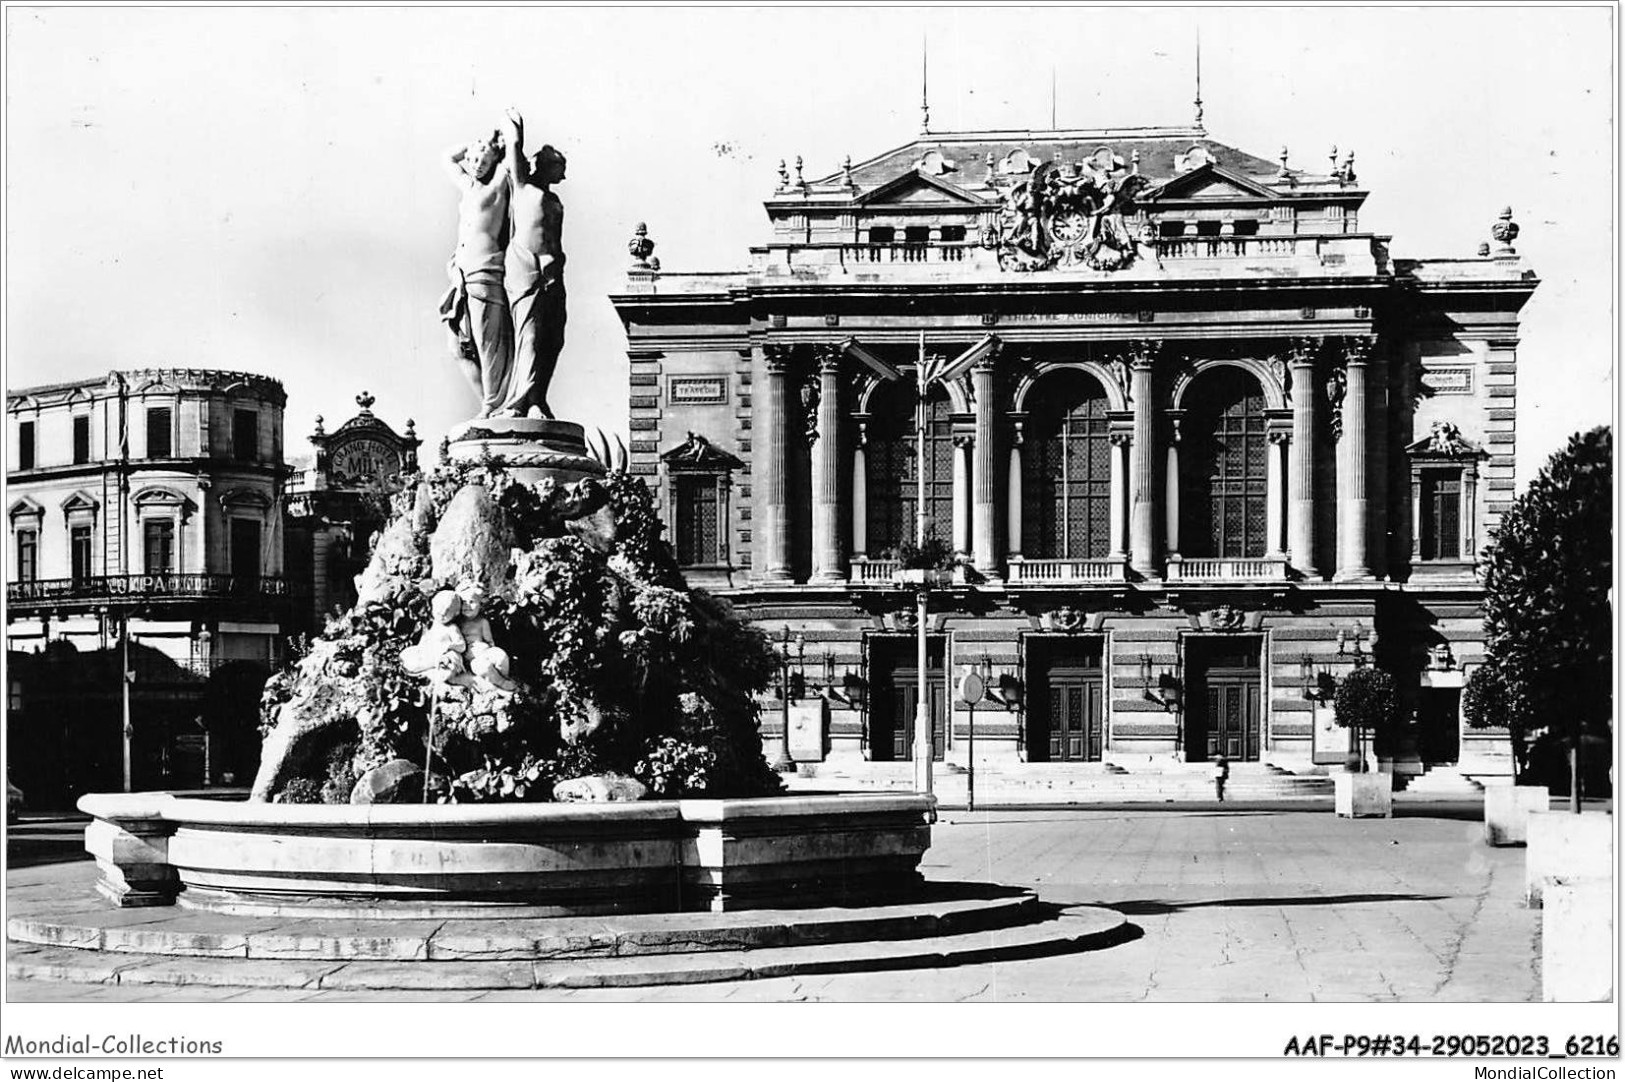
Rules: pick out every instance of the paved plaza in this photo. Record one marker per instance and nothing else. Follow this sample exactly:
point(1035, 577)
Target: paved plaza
point(1241, 903)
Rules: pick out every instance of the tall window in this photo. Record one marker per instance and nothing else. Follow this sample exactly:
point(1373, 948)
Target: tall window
point(25, 445)
point(81, 440)
point(79, 546)
point(698, 512)
point(245, 435)
point(1441, 515)
point(890, 461)
point(27, 555)
point(1223, 466)
point(245, 548)
point(1067, 487)
point(159, 534)
point(158, 433)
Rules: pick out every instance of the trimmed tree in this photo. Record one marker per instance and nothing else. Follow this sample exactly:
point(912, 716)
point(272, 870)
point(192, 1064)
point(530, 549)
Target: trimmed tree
point(1548, 605)
point(1488, 701)
point(1367, 702)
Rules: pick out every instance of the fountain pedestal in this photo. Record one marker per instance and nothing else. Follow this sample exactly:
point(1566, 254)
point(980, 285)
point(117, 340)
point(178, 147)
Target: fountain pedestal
point(530, 448)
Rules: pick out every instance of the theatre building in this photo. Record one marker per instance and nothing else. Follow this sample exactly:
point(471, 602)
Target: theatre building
point(1200, 446)
point(145, 504)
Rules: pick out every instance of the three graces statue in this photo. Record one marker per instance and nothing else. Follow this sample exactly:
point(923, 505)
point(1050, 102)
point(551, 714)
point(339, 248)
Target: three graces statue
point(505, 307)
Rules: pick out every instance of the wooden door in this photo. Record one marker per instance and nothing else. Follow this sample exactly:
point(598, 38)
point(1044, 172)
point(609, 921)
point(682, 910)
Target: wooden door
point(906, 700)
point(1232, 718)
point(1076, 719)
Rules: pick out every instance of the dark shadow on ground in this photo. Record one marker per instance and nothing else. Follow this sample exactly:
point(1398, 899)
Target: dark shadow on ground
point(1155, 907)
point(29, 845)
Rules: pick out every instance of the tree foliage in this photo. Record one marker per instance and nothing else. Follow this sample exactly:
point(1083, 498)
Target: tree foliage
point(1367, 701)
point(1548, 573)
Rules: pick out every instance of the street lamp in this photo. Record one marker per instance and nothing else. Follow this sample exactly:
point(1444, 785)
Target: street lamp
point(784, 764)
point(926, 373)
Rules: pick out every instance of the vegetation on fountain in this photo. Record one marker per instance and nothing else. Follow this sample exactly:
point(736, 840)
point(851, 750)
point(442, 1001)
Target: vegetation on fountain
point(620, 667)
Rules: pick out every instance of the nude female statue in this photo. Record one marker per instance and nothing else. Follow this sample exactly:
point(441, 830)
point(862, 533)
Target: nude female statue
point(475, 309)
point(534, 272)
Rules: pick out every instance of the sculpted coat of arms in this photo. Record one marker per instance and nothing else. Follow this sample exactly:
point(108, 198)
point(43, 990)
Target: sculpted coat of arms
point(1068, 214)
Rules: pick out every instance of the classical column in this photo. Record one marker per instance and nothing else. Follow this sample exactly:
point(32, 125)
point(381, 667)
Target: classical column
point(1142, 479)
point(1351, 463)
point(772, 446)
point(983, 508)
point(828, 565)
point(962, 446)
point(860, 491)
point(1013, 492)
point(1275, 487)
point(1119, 478)
point(1171, 497)
point(1301, 476)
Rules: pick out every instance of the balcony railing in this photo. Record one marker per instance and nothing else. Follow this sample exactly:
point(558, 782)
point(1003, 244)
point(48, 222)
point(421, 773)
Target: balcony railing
point(1228, 569)
point(866, 572)
point(1025, 572)
point(174, 587)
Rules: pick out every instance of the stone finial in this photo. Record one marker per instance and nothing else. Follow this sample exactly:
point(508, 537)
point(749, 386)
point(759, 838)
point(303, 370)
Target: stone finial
point(1505, 231)
point(640, 247)
point(800, 183)
point(1484, 249)
point(1283, 160)
point(784, 175)
point(1333, 157)
point(320, 430)
point(1134, 161)
point(365, 400)
point(1346, 173)
point(411, 429)
point(846, 172)
point(992, 165)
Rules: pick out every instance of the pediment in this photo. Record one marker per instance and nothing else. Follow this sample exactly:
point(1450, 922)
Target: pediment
point(160, 496)
point(699, 453)
point(26, 508)
point(1209, 182)
point(1444, 440)
point(918, 187)
point(80, 501)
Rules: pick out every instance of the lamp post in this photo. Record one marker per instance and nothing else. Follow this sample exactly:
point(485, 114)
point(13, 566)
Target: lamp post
point(126, 678)
point(926, 374)
point(784, 764)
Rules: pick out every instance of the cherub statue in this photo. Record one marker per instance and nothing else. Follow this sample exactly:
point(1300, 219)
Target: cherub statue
point(439, 654)
point(487, 662)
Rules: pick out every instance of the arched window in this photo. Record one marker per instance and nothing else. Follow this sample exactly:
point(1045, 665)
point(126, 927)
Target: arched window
point(1067, 484)
point(889, 459)
point(1223, 463)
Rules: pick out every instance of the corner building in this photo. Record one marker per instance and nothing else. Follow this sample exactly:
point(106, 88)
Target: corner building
point(1214, 448)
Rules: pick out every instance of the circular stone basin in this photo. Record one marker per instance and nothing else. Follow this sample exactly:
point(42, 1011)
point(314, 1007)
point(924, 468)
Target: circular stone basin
point(505, 860)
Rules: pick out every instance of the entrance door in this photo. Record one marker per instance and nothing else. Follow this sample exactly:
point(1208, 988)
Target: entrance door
point(906, 700)
point(1232, 717)
point(1075, 729)
point(895, 695)
point(1067, 716)
point(1223, 698)
point(1438, 717)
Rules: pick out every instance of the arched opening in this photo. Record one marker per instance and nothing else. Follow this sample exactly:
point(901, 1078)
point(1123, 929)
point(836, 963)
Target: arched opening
point(1066, 483)
point(890, 455)
point(1224, 467)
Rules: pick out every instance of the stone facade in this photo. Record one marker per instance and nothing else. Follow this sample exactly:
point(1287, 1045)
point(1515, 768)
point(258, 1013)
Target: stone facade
point(336, 502)
point(1207, 447)
point(148, 500)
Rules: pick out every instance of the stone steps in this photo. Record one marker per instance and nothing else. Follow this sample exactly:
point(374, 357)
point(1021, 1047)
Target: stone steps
point(1101, 787)
point(940, 910)
point(1052, 932)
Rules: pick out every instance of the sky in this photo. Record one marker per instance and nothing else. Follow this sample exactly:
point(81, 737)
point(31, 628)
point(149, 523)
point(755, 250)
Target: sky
point(259, 189)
